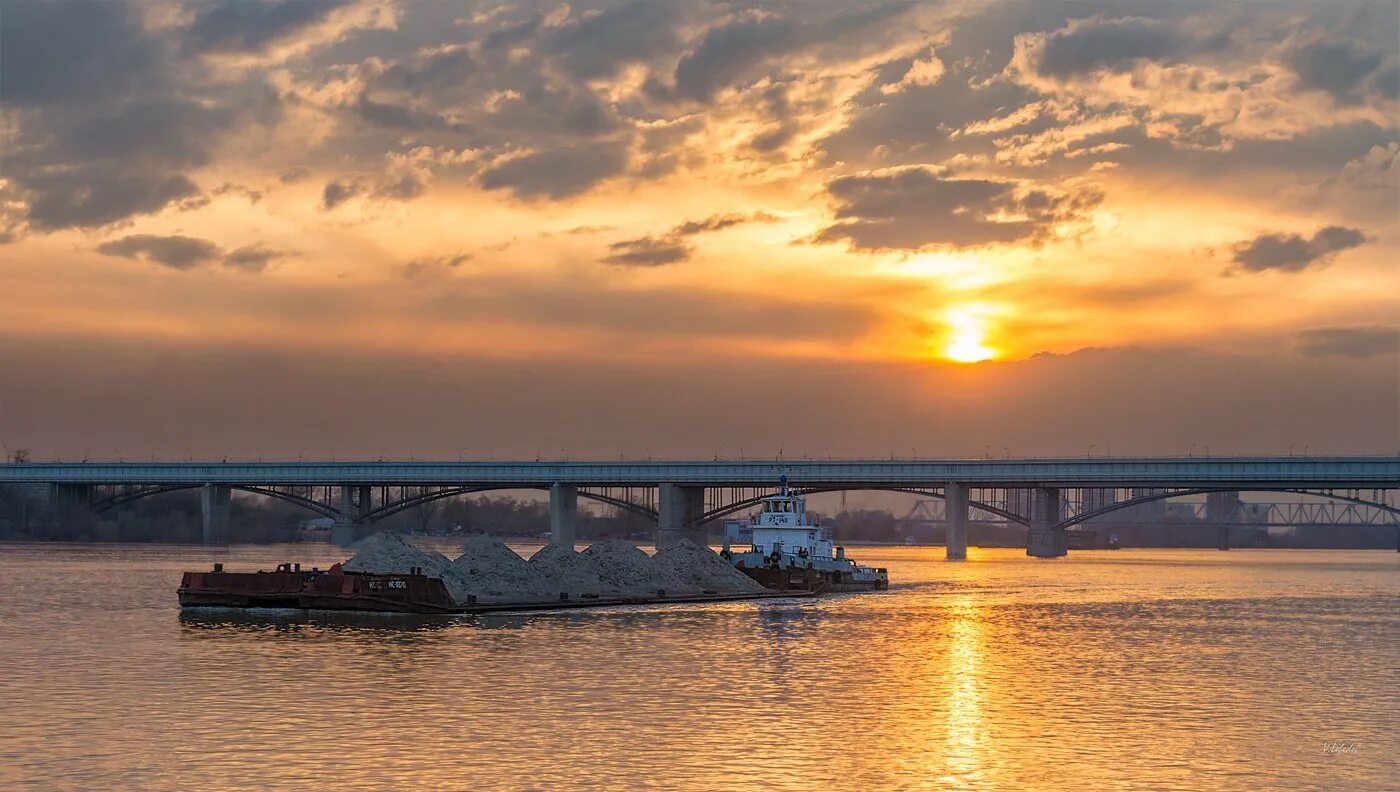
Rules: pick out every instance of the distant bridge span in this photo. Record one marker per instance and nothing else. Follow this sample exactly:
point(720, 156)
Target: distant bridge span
point(682, 495)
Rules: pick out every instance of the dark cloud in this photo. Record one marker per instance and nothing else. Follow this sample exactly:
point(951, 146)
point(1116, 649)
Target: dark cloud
point(925, 123)
point(185, 253)
point(734, 53)
point(402, 187)
point(107, 122)
point(1294, 253)
point(1354, 342)
point(252, 25)
point(443, 69)
point(513, 34)
point(97, 194)
point(558, 173)
point(253, 258)
point(65, 51)
point(337, 193)
point(420, 267)
point(601, 44)
point(915, 208)
point(1341, 67)
point(647, 252)
point(719, 222)
point(1087, 45)
point(176, 252)
point(727, 52)
point(294, 175)
point(670, 248)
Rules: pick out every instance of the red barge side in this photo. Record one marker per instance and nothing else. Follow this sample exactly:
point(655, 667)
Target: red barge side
point(337, 589)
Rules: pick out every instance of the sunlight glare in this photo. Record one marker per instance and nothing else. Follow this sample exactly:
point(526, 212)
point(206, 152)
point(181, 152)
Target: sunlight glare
point(967, 337)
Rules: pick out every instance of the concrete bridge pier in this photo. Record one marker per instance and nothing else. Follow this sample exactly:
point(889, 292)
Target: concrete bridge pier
point(365, 504)
point(955, 497)
point(1222, 537)
point(347, 527)
point(563, 514)
point(1043, 541)
point(678, 512)
point(214, 501)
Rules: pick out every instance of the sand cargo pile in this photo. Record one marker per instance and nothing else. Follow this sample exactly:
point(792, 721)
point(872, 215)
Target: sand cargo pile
point(489, 571)
point(572, 572)
point(629, 569)
point(699, 567)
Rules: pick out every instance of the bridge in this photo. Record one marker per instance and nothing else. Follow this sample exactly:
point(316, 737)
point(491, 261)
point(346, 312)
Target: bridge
point(1048, 496)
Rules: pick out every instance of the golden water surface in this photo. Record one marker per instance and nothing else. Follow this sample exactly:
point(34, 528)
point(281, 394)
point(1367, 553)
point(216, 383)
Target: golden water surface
point(1136, 669)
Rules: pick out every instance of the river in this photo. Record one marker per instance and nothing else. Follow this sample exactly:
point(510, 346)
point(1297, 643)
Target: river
point(1135, 669)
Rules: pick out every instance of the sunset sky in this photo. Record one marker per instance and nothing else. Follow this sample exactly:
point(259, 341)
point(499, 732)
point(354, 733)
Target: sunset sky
point(936, 229)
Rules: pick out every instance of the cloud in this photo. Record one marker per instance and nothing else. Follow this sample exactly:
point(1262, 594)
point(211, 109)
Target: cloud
point(727, 52)
point(1294, 253)
point(404, 186)
point(60, 52)
point(253, 258)
point(601, 44)
point(337, 193)
point(185, 253)
point(719, 222)
point(176, 252)
point(648, 252)
point(735, 52)
point(1341, 67)
point(251, 25)
point(1378, 168)
point(669, 248)
point(106, 121)
point(1114, 44)
point(294, 175)
point(558, 173)
point(1353, 342)
point(430, 265)
point(914, 208)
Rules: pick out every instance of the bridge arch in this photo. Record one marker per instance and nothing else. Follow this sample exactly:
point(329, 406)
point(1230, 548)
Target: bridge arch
point(397, 506)
point(374, 515)
point(120, 499)
point(1157, 496)
point(747, 503)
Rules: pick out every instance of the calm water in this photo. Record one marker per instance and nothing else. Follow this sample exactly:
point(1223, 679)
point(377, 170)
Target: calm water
point(1152, 669)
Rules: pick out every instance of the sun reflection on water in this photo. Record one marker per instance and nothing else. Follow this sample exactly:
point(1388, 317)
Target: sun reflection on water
point(965, 728)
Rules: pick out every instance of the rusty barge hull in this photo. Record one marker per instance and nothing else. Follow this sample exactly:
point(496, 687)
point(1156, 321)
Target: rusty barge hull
point(390, 593)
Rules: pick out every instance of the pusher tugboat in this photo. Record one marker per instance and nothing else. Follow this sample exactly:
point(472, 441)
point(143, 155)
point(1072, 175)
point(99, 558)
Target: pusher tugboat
point(790, 552)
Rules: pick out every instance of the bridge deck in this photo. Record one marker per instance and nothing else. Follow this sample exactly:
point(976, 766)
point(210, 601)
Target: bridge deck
point(1230, 472)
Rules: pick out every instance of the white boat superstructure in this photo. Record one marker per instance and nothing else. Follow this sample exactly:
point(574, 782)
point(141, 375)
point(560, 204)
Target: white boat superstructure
point(785, 538)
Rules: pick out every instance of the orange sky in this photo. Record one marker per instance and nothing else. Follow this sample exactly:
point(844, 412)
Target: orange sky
point(813, 185)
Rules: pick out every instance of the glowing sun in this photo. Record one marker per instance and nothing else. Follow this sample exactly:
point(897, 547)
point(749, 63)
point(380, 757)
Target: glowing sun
point(967, 337)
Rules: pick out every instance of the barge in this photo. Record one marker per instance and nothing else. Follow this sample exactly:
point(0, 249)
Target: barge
point(790, 553)
point(289, 586)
